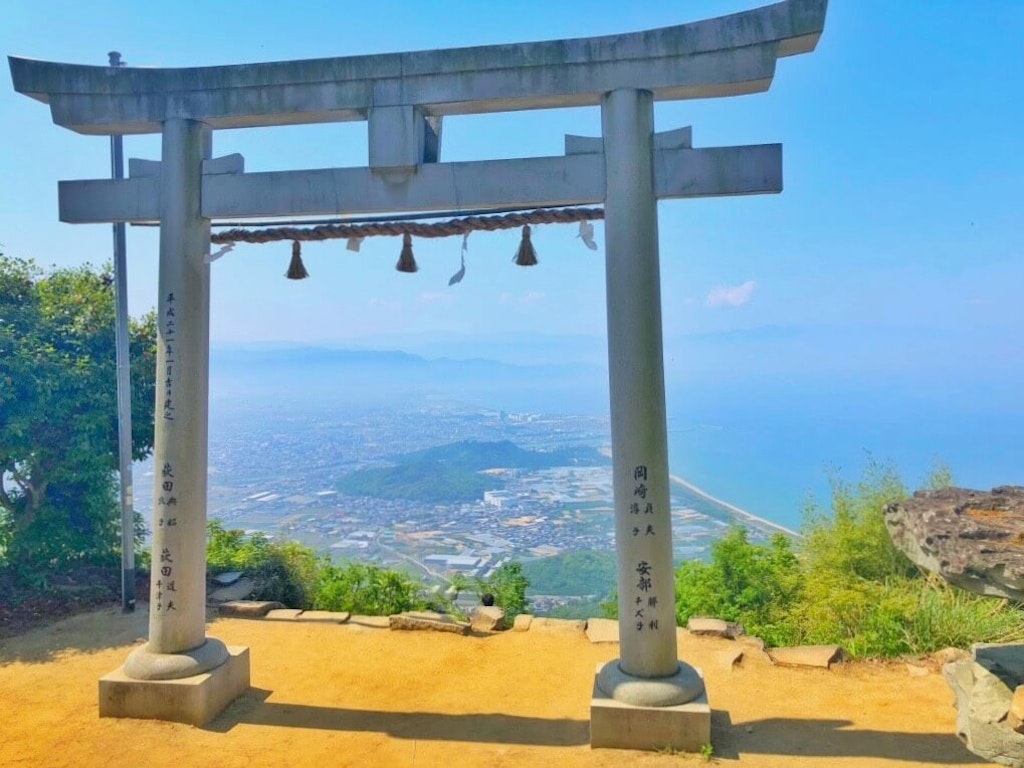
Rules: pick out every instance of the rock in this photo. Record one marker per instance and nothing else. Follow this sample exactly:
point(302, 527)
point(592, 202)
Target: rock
point(985, 686)
point(752, 642)
point(706, 626)
point(227, 579)
point(545, 624)
point(973, 539)
point(487, 618)
point(438, 622)
point(522, 622)
point(248, 609)
point(1015, 717)
point(730, 658)
point(823, 656)
point(283, 614)
point(948, 655)
point(323, 617)
point(372, 622)
point(602, 630)
point(239, 590)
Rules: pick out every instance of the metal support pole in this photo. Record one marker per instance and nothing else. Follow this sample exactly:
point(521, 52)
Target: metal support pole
point(124, 385)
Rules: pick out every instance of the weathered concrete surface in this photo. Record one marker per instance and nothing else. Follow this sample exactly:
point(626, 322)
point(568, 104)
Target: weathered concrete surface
point(726, 56)
point(973, 539)
point(194, 700)
point(620, 725)
point(984, 686)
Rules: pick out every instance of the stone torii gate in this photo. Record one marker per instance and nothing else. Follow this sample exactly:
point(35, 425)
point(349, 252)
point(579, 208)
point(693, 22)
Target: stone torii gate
point(646, 697)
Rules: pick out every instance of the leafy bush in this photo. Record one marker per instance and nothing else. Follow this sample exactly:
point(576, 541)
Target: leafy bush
point(287, 572)
point(755, 584)
point(848, 584)
point(368, 590)
point(508, 585)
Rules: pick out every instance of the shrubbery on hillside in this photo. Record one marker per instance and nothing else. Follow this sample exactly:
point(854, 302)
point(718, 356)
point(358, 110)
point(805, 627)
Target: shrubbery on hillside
point(295, 575)
point(847, 585)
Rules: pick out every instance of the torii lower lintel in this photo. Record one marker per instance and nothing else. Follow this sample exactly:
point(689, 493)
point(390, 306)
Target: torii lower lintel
point(574, 179)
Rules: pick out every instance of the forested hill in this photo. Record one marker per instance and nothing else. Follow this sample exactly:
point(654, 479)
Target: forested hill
point(450, 474)
point(475, 455)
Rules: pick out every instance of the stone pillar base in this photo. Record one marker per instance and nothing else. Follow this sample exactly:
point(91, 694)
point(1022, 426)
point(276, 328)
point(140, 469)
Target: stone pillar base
point(616, 725)
point(194, 700)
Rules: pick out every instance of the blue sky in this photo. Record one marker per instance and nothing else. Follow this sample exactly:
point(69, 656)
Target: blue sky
point(896, 246)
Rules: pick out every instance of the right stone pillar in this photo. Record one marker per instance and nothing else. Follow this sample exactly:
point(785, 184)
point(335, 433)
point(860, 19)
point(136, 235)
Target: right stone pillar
point(646, 698)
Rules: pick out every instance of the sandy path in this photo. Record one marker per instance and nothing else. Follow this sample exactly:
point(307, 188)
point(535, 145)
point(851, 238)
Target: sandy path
point(329, 695)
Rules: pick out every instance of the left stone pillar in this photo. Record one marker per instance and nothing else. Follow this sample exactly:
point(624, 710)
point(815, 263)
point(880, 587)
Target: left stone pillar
point(206, 674)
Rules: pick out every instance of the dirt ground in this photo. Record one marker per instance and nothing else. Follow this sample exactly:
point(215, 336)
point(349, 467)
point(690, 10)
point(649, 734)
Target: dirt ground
point(348, 695)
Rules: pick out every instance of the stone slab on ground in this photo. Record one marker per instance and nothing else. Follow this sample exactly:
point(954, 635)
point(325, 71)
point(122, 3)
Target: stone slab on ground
point(237, 590)
point(324, 617)
point(283, 614)
point(615, 725)
point(822, 656)
point(545, 624)
point(706, 626)
point(487, 618)
point(371, 622)
point(248, 609)
point(437, 622)
point(193, 700)
point(522, 622)
point(603, 630)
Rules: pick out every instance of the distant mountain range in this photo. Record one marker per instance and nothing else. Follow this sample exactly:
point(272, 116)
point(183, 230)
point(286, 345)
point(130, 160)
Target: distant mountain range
point(365, 377)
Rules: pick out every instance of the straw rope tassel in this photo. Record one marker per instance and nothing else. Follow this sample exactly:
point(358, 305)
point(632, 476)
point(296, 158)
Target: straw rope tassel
point(406, 262)
point(526, 256)
point(296, 269)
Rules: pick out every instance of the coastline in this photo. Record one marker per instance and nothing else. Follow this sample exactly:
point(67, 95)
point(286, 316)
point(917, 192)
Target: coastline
point(731, 507)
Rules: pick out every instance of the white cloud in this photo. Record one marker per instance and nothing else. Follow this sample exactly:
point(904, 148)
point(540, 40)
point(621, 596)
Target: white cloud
point(730, 295)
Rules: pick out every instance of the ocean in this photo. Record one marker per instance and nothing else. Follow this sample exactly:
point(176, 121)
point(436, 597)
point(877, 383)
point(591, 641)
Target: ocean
point(773, 458)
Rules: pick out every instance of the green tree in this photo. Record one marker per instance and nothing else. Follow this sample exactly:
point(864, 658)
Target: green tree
point(508, 584)
point(58, 413)
point(367, 589)
point(755, 584)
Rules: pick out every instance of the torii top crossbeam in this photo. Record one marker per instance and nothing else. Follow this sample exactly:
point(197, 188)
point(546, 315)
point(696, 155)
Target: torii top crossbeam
point(726, 56)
